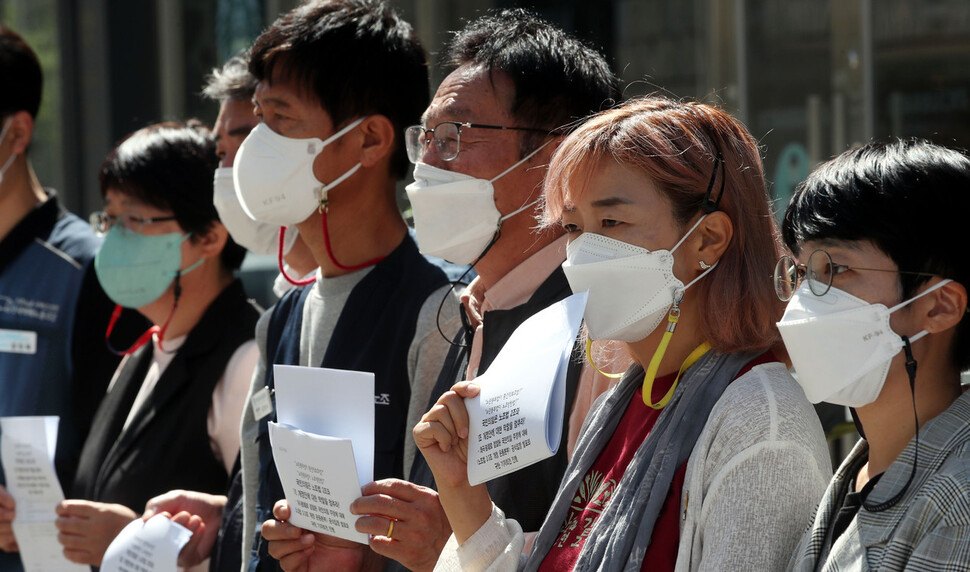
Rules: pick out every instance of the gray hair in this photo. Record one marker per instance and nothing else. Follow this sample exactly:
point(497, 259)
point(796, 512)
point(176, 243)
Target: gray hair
point(231, 81)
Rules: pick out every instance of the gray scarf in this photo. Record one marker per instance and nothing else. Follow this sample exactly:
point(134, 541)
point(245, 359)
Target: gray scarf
point(619, 539)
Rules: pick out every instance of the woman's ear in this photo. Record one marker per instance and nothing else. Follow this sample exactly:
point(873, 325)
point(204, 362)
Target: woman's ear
point(713, 237)
point(211, 242)
point(942, 308)
point(378, 140)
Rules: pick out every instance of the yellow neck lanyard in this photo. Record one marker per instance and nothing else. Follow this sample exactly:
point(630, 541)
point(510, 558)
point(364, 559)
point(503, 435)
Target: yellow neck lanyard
point(589, 358)
point(651, 374)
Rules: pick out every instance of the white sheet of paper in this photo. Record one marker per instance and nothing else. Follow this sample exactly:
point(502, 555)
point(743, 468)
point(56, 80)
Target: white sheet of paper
point(27, 448)
point(331, 402)
point(319, 480)
point(517, 418)
point(151, 546)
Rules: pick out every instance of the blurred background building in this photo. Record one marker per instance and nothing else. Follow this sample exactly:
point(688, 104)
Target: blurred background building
point(809, 77)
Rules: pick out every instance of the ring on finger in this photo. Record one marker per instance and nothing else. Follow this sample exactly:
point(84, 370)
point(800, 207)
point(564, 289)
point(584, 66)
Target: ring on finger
point(390, 528)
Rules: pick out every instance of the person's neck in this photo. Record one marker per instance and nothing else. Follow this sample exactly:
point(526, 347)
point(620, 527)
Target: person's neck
point(888, 421)
point(517, 242)
point(685, 339)
point(300, 258)
point(20, 192)
point(198, 293)
point(363, 222)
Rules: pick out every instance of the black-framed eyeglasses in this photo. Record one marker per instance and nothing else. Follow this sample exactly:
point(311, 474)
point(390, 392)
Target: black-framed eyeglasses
point(819, 270)
point(102, 222)
point(446, 137)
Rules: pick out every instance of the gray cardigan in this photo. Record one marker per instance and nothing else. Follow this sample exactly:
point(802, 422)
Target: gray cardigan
point(756, 472)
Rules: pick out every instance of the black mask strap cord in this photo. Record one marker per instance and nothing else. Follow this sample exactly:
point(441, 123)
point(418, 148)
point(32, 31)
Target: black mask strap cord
point(911, 372)
point(464, 319)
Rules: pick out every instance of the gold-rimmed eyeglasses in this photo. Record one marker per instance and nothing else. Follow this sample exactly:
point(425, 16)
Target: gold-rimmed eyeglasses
point(446, 137)
point(819, 270)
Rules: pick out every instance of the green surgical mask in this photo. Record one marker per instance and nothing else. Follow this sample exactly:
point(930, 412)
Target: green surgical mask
point(136, 269)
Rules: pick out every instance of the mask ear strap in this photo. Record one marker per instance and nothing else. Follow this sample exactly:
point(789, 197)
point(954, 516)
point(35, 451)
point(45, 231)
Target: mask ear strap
point(920, 295)
point(343, 131)
point(518, 210)
point(3, 135)
point(519, 162)
point(688, 233)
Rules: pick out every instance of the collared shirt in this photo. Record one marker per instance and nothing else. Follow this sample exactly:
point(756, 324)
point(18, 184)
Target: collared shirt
point(513, 289)
point(928, 529)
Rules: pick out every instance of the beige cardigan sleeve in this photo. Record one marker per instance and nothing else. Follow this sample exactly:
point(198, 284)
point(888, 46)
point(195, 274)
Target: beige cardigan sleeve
point(495, 547)
point(754, 478)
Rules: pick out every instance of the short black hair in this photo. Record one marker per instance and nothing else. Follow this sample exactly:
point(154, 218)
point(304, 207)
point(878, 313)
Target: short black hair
point(356, 57)
point(907, 197)
point(171, 166)
point(20, 75)
point(558, 79)
point(231, 81)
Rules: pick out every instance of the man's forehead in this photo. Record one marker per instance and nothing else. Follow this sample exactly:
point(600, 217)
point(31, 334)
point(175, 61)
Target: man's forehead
point(471, 93)
point(285, 93)
point(236, 111)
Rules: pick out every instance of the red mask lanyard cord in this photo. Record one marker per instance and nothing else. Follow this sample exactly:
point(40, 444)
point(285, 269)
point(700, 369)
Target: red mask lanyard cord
point(142, 339)
point(279, 260)
point(326, 241)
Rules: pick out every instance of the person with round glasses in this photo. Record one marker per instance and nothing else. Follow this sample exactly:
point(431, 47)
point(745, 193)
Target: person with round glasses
point(170, 418)
point(876, 321)
point(706, 455)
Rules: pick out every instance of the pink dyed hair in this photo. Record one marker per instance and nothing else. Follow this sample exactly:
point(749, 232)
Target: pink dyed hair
point(676, 144)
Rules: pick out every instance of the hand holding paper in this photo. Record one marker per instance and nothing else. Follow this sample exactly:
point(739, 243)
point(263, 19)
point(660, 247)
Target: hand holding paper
point(300, 551)
point(27, 449)
point(323, 445)
point(87, 528)
point(8, 510)
point(151, 546)
point(517, 418)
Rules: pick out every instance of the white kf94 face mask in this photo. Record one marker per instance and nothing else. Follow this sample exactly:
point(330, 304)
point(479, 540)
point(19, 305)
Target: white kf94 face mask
point(841, 346)
point(274, 176)
point(455, 217)
point(631, 288)
point(255, 236)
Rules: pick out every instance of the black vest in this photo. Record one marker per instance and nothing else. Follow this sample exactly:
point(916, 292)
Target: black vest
point(373, 333)
point(166, 446)
point(526, 494)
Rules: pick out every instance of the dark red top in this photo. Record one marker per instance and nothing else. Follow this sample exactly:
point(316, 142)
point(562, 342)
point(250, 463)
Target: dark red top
point(600, 482)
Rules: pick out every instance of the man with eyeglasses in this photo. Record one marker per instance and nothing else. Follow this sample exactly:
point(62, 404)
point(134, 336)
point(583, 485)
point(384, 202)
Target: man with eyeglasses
point(53, 313)
point(517, 83)
point(876, 321)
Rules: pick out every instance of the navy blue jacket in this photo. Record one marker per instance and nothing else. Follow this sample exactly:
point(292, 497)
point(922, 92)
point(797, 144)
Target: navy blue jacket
point(374, 333)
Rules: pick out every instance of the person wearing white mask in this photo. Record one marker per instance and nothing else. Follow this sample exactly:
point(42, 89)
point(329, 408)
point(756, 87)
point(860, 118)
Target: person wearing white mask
point(53, 312)
point(480, 153)
point(707, 455)
point(876, 321)
point(325, 158)
point(233, 87)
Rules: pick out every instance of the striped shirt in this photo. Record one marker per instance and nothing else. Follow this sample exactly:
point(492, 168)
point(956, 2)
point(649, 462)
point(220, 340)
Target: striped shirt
point(928, 529)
